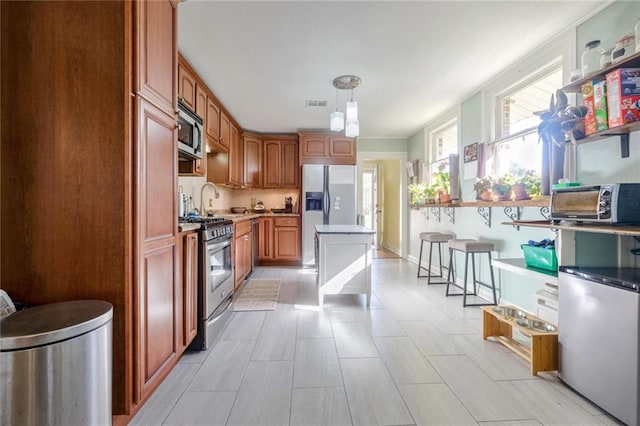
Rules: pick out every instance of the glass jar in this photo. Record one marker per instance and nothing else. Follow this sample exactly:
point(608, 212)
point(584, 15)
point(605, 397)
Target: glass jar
point(637, 27)
point(605, 58)
point(624, 48)
point(591, 57)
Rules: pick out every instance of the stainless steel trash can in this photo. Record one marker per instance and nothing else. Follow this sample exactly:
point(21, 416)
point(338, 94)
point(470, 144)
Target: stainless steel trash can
point(55, 364)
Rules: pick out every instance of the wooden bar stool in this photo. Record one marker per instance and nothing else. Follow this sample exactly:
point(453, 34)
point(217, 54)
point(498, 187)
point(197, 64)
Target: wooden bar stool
point(473, 247)
point(432, 238)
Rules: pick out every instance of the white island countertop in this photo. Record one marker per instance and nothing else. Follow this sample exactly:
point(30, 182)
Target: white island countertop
point(343, 229)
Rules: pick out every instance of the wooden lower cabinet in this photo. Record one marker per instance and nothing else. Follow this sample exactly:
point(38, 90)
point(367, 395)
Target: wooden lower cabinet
point(189, 288)
point(243, 245)
point(280, 240)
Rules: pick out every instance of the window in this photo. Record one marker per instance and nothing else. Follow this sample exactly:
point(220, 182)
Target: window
point(518, 149)
point(444, 141)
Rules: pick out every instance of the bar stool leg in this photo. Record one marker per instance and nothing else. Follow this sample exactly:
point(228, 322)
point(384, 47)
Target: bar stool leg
point(493, 283)
point(473, 268)
point(420, 258)
point(440, 257)
point(430, 273)
point(450, 272)
point(466, 267)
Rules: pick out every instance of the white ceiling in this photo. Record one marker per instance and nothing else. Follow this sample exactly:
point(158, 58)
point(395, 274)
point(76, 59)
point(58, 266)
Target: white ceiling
point(416, 59)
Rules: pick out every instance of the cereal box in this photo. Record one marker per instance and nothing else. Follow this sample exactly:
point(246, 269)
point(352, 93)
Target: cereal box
point(600, 104)
point(587, 100)
point(623, 96)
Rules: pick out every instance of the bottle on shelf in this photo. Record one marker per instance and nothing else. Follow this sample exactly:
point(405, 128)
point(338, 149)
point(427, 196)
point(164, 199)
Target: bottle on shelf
point(637, 28)
point(591, 57)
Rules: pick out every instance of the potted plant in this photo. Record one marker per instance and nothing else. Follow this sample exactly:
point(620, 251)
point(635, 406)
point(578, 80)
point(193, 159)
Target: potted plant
point(418, 192)
point(502, 187)
point(483, 188)
point(441, 182)
point(526, 186)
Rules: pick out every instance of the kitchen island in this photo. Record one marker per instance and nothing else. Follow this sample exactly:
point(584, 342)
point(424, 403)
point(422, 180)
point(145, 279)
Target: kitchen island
point(344, 260)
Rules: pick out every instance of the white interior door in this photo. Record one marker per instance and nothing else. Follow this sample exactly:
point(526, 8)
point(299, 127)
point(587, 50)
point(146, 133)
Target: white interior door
point(370, 203)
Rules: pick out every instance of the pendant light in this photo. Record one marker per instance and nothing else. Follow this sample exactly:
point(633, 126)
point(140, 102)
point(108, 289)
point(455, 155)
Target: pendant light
point(352, 129)
point(337, 118)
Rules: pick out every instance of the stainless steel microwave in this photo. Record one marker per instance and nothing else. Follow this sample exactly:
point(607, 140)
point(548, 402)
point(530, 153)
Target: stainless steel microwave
point(616, 203)
point(190, 133)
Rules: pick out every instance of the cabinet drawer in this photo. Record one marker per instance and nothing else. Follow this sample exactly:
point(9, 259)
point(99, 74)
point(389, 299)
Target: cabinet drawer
point(285, 221)
point(243, 227)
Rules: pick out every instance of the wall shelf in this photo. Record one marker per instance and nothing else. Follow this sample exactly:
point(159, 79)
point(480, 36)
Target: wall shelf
point(518, 266)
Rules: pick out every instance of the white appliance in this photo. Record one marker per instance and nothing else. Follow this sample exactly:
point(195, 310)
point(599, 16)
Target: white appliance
point(599, 311)
point(329, 198)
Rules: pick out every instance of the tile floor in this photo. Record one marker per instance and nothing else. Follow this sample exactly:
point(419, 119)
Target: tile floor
point(414, 358)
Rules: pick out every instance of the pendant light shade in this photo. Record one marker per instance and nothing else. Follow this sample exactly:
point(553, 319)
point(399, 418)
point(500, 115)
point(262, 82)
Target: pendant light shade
point(352, 129)
point(337, 121)
point(352, 111)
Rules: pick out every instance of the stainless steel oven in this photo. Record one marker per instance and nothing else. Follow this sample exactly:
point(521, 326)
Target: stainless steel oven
point(215, 281)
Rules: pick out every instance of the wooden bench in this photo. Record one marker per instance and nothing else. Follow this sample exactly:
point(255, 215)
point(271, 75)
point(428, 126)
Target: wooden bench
point(543, 354)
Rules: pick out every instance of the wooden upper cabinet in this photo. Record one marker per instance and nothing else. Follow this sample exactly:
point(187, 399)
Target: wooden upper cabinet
point(213, 121)
point(236, 159)
point(271, 164)
point(252, 161)
point(186, 87)
point(280, 167)
point(290, 171)
point(225, 130)
point(342, 147)
point(313, 146)
point(156, 45)
point(321, 148)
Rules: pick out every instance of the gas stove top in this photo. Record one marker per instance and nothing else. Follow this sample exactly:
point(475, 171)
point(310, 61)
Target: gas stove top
point(218, 225)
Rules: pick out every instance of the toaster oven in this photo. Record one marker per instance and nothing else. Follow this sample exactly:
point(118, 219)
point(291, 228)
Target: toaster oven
point(617, 203)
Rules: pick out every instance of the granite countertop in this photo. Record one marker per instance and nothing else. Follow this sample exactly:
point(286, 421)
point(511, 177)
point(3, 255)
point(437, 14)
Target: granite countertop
point(343, 229)
point(235, 217)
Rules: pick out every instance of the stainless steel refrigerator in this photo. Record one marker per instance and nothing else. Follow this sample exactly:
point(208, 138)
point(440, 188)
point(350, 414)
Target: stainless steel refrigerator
point(329, 198)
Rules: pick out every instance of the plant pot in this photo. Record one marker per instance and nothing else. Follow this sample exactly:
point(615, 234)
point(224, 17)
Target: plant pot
point(444, 197)
point(503, 197)
point(486, 196)
point(520, 192)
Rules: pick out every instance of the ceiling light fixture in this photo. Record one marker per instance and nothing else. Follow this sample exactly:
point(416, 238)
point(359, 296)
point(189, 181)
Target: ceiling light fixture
point(346, 82)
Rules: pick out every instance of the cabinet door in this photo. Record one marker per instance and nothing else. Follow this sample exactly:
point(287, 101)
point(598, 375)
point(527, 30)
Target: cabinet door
point(156, 43)
point(265, 239)
point(236, 163)
point(190, 288)
point(252, 160)
point(186, 87)
point(313, 146)
point(200, 167)
point(290, 171)
point(213, 121)
point(157, 325)
point(287, 243)
point(342, 147)
point(271, 158)
point(225, 130)
point(239, 259)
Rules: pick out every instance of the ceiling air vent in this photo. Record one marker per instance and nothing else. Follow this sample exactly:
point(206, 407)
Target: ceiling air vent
point(314, 103)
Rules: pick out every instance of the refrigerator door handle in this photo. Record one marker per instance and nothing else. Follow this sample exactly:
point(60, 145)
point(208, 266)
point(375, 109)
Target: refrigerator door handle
point(326, 202)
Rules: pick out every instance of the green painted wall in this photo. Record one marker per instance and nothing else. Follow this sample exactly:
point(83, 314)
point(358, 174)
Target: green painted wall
point(381, 145)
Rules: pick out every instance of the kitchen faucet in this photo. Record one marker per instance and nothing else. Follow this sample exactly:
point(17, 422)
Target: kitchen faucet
point(217, 195)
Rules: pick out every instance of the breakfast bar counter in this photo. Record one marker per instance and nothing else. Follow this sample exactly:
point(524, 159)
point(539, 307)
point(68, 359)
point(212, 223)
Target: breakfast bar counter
point(344, 260)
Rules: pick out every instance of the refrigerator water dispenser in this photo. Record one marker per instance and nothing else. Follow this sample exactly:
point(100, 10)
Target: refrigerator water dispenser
point(313, 201)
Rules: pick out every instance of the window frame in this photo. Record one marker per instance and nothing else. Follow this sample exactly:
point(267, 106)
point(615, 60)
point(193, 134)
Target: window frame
point(445, 120)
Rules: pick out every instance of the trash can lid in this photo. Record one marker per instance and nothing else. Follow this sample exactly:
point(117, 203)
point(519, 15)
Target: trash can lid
point(51, 323)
